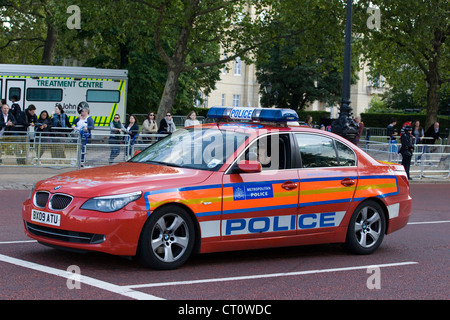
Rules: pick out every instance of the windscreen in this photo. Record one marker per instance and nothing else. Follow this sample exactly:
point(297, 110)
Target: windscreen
point(197, 148)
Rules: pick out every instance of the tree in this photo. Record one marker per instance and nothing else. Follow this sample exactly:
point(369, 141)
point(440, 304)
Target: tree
point(202, 29)
point(413, 35)
point(298, 83)
point(306, 67)
point(30, 30)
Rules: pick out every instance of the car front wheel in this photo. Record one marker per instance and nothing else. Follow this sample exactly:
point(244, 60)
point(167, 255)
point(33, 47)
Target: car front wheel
point(366, 228)
point(167, 239)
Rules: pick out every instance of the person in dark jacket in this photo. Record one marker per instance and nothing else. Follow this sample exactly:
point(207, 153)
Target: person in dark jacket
point(132, 129)
point(7, 123)
point(432, 134)
point(60, 126)
point(7, 120)
point(407, 149)
point(167, 125)
point(26, 118)
point(43, 128)
point(15, 107)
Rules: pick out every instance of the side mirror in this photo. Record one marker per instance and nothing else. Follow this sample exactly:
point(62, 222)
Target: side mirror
point(249, 166)
point(136, 152)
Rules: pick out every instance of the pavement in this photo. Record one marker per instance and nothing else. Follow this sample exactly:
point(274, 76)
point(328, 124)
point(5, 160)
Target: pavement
point(23, 178)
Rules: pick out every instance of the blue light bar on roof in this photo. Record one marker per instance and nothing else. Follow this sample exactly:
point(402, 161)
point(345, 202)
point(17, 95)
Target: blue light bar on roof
point(255, 114)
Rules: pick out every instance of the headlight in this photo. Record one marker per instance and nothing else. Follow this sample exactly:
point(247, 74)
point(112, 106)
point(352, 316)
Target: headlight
point(111, 203)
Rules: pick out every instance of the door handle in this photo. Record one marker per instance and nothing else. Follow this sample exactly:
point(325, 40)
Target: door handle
point(289, 185)
point(347, 182)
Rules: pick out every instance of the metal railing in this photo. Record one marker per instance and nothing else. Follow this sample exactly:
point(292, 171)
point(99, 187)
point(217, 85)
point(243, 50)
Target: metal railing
point(106, 148)
point(428, 160)
point(55, 148)
point(70, 149)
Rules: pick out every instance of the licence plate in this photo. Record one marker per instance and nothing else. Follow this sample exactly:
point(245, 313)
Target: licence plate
point(46, 217)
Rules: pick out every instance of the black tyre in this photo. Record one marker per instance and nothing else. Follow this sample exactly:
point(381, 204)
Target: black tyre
point(167, 239)
point(366, 228)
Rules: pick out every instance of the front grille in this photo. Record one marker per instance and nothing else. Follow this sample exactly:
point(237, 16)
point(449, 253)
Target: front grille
point(64, 235)
point(41, 198)
point(60, 201)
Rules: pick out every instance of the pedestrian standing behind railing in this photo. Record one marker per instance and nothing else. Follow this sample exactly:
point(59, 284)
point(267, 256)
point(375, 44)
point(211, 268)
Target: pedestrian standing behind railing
point(60, 125)
point(150, 127)
point(43, 127)
point(117, 131)
point(417, 132)
point(7, 123)
point(27, 119)
point(191, 119)
point(84, 123)
point(167, 125)
point(433, 134)
point(391, 131)
point(132, 129)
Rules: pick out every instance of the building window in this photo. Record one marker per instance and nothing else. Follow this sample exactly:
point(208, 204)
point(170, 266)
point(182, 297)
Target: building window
point(224, 69)
point(237, 66)
point(198, 100)
point(236, 100)
point(223, 99)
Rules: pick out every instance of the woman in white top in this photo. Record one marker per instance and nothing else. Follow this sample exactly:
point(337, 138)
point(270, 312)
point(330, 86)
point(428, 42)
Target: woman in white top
point(191, 119)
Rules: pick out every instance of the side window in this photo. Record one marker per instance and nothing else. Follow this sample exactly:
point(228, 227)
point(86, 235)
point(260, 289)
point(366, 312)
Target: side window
point(273, 151)
point(112, 96)
point(316, 151)
point(15, 92)
point(347, 157)
point(44, 94)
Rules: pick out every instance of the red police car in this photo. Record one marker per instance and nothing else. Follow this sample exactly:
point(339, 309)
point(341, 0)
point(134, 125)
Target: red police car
point(224, 186)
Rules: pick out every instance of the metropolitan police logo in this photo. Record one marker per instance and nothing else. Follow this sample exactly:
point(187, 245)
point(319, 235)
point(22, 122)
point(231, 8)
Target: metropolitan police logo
point(238, 193)
point(253, 190)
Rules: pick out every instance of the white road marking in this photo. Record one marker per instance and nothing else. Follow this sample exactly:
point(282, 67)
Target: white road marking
point(129, 292)
point(19, 241)
point(430, 222)
point(122, 290)
point(271, 275)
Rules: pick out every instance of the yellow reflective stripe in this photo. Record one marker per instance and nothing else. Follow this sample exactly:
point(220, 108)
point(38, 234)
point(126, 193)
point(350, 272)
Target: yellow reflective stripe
point(377, 186)
point(327, 190)
point(114, 109)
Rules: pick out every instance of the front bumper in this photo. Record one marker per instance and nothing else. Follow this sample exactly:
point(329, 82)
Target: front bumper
point(114, 233)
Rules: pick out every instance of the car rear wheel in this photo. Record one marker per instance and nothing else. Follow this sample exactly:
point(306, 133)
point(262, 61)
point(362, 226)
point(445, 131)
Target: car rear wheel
point(366, 228)
point(167, 239)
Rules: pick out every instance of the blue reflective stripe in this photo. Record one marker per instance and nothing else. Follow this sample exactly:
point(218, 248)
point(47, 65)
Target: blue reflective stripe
point(286, 206)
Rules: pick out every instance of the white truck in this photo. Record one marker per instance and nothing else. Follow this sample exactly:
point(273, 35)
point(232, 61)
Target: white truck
point(105, 90)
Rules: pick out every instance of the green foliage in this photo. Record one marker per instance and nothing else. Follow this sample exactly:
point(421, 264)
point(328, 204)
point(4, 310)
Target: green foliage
point(307, 66)
point(410, 48)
